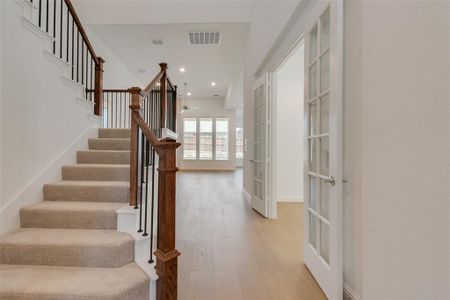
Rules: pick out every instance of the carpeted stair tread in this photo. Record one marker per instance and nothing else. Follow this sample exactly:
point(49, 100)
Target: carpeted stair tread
point(70, 214)
point(96, 172)
point(114, 133)
point(103, 157)
point(67, 247)
point(27, 282)
point(109, 144)
point(81, 190)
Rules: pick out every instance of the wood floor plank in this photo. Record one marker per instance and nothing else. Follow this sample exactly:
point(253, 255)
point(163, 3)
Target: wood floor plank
point(230, 252)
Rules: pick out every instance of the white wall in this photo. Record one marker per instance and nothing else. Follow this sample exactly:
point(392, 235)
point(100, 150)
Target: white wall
point(214, 108)
point(116, 74)
point(41, 116)
point(263, 32)
point(396, 146)
point(405, 146)
point(289, 127)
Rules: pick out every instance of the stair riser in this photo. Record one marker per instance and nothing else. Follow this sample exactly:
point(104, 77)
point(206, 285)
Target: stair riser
point(86, 193)
point(109, 144)
point(114, 133)
point(79, 256)
point(87, 157)
point(96, 173)
point(30, 218)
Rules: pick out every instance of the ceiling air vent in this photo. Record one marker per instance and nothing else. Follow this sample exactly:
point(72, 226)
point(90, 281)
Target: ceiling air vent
point(157, 42)
point(204, 37)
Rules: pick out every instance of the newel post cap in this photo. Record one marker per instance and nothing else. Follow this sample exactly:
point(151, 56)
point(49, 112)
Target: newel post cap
point(134, 90)
point(163, 66)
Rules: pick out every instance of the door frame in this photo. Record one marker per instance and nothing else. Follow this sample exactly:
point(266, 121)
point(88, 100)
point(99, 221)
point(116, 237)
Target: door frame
point(338, 85)
point(273, 81)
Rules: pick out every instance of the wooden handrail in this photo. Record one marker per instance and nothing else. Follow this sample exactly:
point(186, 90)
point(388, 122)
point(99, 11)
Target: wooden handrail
point(166, 253)
point(153, 83)
point(81, 30)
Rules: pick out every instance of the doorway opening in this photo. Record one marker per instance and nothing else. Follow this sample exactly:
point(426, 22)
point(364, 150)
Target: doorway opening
point(288, 128)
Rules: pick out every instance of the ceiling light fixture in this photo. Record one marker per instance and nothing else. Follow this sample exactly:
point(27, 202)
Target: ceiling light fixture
point(213, 83)
point(189, 94)
point(182, 70)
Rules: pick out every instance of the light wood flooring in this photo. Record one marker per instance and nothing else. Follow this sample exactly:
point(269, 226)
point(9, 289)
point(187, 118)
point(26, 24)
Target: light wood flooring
point(229, 251)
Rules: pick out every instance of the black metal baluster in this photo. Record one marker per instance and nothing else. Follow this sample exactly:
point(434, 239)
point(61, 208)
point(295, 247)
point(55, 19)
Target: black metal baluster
point(73, 48)
point(92, 77)
point(87, 70)
point(46, 17)
point(67, 37)
point(153, 206)
point(137, 169)
point(142, 181)
point(40, 13)
point(54, 27)
point(147, 156)
point(82, 62)
point(78, 50)
point(60, 29)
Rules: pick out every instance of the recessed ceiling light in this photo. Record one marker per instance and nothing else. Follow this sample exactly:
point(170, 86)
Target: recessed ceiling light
point(213, 83)
point(182, 70)
point(141, 71)
point(189, 94)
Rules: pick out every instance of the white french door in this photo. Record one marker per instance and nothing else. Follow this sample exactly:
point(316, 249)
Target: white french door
point(323, 163)
point(261, 161)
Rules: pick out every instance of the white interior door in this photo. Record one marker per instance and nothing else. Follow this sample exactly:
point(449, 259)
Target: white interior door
point(260, 186)
point(323, 168)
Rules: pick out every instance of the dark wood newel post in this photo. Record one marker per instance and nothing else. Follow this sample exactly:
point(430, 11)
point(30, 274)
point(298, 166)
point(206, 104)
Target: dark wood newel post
point(98, 89)
point(135, 105)
point(163, 84)
point(167, 254)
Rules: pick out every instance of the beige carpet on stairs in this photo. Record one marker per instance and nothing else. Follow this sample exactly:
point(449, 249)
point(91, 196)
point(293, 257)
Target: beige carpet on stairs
point(68, 246)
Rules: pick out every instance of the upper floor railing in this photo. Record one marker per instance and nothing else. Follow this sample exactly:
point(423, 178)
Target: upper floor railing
point(71, 44)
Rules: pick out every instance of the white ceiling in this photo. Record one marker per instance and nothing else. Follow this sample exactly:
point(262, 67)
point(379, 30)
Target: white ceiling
point(164, 11)
point(203, 64)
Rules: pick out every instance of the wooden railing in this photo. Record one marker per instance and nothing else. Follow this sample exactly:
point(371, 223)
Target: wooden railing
point(59, 19)
point(153, 147)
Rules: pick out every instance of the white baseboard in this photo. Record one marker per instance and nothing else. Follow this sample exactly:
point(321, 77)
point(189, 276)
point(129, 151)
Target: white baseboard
point(246, 195)
point(32, 191)
point(350, 293)
point(290, 200)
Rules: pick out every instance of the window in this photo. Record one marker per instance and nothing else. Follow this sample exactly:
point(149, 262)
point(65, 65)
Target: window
point(239, 142)
point(190, 138)
point(221, 139)
point(206, 139)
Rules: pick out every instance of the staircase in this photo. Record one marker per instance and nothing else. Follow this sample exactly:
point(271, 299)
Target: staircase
point(68, 246)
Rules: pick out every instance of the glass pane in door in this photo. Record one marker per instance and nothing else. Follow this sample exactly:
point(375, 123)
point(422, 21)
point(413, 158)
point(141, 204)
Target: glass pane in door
point(313, 35)
point(325, 31)
point(324, 156)
point(313, 193)
point(312, 230)
point(324, 209)
point(324, 241)
point(325, 114)
point(313, 81)
point(324, 72)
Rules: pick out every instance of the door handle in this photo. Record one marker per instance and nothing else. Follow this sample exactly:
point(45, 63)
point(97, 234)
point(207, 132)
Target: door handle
point(251, 160)
point(331, 180)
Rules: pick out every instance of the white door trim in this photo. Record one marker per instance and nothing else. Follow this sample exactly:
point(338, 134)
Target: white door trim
point(274, 122)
